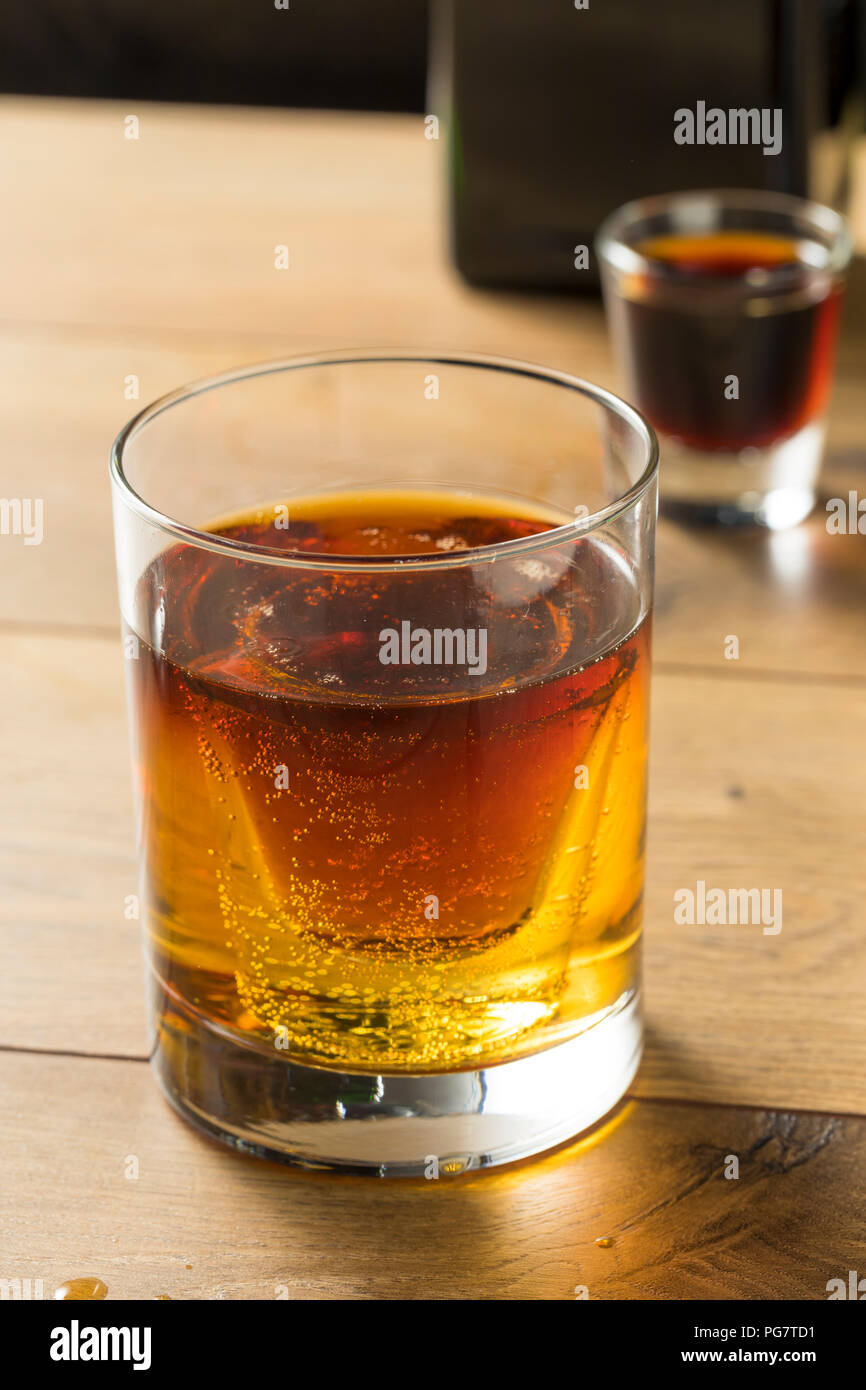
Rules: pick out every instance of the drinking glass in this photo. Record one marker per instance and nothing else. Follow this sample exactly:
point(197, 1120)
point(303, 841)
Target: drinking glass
point(386, 627)
point(723, 307)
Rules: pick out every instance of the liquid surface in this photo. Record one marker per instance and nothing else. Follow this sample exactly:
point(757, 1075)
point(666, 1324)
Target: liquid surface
point(393, 864)
point(725, 253)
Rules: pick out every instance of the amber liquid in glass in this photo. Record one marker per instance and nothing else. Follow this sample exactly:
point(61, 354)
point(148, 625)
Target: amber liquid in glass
point(401, 866)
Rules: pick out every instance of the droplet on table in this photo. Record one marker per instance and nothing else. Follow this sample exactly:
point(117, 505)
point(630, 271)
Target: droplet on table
point(88, 1289)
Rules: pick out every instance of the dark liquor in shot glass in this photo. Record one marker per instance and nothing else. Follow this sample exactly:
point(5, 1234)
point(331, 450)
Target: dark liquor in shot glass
point(724, 309)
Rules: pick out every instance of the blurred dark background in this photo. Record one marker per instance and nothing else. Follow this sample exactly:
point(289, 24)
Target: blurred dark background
point(318, 53)
point(328, 53)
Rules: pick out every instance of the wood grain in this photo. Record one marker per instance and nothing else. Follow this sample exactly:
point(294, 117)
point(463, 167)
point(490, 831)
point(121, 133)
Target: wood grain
point(161, 267)
point(155, 258)
point(201, 1222)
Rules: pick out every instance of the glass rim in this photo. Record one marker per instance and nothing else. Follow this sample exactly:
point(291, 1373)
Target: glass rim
point(613, 249)
point(238, 550)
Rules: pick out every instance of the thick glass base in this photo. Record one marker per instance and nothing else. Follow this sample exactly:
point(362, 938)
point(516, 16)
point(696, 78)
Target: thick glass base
point(772, 487)
point(396, 1125)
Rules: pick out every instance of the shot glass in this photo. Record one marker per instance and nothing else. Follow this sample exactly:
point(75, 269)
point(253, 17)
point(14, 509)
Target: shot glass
point(386, 628)
point(723, 308)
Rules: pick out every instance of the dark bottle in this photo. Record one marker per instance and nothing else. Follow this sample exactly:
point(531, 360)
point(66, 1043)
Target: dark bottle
point(558, 115)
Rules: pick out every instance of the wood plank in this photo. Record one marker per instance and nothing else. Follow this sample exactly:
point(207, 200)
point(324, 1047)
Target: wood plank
point(794, 599)
point(71, 978)
point(155, 258)
point(109, 289)
point(202, 1222)
point(748, 778)
point(181, 225)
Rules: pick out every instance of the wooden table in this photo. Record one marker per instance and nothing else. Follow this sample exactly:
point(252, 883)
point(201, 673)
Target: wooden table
point(154, 259)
